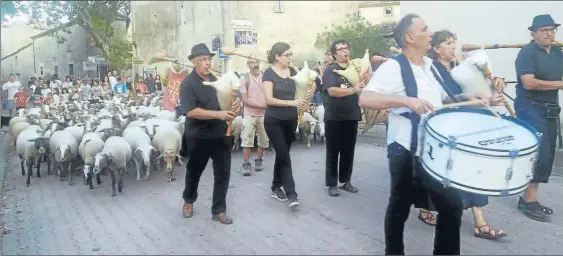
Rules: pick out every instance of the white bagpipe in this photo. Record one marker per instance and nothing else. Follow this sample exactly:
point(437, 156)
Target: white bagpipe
point(227, 86)
point(353, 73)
point(304, 79)
point(474, 75)
point(473, 150)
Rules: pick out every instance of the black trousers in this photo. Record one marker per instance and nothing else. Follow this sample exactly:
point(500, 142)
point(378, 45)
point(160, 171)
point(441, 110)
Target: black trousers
point(200, 151)
point(407, 190)
point(280, 133)
point(340, 141)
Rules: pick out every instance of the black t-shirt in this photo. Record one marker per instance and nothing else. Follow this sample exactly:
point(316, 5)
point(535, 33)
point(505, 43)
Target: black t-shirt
point(283, 89)
point(339, 108)
point(193, 94)
point(534, 60)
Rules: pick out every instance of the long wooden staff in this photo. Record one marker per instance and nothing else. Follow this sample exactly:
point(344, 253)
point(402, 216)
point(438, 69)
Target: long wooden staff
point(471, 47)
point(176, 61)
point(233, 52)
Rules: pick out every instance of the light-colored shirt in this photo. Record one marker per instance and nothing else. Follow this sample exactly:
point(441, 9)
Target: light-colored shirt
point(45, 92)
point(112, 81)
point(255, 94)
point(67, 85)
point(97, 91)
point(12, 88)
point(55, 84)
point(387, 80)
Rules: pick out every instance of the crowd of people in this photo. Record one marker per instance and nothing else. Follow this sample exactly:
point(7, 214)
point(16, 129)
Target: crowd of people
point(45, 90)
point(409, 85)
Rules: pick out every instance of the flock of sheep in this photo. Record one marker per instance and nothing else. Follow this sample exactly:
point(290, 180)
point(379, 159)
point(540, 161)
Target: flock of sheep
point(110, 134)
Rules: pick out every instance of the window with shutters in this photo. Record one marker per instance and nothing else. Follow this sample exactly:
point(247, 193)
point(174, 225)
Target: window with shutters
point(278, 6)
point(41, 70)
point(56, 69)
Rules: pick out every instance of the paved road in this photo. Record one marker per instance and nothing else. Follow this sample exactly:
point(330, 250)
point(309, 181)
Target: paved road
point(50, 217)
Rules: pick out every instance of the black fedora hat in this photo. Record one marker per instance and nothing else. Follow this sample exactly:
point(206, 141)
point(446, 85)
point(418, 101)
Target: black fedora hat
point(199, 50)
point(543, 20)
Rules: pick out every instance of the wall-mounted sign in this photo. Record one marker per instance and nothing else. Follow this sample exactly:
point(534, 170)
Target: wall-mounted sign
point(242, 25)
point(366, 4)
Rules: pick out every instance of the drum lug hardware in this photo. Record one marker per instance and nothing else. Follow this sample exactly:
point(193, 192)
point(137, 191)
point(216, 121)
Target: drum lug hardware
point(504, 193)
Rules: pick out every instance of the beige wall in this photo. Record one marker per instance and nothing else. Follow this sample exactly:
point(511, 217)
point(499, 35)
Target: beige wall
point(376, 15)
point(48, 54)
point(172, 28)
point(480, 22)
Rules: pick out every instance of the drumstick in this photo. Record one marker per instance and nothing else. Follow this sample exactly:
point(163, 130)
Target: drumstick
point(461, 104)
point(467, 104)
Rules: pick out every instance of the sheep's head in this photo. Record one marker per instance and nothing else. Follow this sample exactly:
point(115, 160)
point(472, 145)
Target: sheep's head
point(101, 161)
point(65, 151)
point(169, 158)
point(41, 144)
point(22, 112)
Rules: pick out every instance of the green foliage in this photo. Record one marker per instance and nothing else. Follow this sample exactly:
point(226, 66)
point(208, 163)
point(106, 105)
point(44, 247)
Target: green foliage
point(359, 33)
point(120, 54)
point(96, 18)
point(11, 8)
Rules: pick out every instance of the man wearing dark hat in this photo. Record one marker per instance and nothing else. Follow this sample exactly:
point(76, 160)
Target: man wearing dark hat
point(206, 126)
point(539, 68)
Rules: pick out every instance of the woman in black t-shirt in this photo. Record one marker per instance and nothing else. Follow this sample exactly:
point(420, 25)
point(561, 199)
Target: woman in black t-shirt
point(280, 119)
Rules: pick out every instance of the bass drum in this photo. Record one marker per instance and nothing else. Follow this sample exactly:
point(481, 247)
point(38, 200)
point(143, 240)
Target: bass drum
point(474, 151)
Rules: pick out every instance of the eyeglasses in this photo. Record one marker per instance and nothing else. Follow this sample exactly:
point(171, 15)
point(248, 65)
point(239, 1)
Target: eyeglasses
point(288, 55)
point(546, 30)
point(343, 48)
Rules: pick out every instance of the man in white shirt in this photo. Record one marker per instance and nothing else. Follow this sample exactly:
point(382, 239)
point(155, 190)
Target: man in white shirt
point(112, 80)
point(407, 87)
point(11, 87)
point(55, 82)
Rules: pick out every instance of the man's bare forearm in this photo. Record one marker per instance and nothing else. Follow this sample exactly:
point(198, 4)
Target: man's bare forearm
point(341, 92)
point(202, 114)
point(532, 83)
point(378, 101)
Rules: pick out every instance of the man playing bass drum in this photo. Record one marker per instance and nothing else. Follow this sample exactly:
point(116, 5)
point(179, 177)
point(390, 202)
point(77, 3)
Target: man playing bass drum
point(342, 114)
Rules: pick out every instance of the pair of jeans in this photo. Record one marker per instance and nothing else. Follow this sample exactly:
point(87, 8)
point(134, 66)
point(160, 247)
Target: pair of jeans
point(407, 190)
point(340, 143)
point(200, 151)
point(280, 133)
point(534, 113)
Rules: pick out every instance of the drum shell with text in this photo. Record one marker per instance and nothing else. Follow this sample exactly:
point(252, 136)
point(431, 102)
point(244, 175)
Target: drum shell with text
point(490, 155)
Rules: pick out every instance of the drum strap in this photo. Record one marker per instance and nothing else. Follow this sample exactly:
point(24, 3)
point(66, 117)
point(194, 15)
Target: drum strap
point(443, 84)
point(411, 89)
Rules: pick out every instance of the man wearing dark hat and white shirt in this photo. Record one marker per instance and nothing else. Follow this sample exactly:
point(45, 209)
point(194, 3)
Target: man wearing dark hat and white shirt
point(206, 128)
point(539, 68)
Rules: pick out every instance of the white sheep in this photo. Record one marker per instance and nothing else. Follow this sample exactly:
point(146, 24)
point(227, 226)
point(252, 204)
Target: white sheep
point(63, 148)
point(115, 155)
point(166, 115)
point(92, 143)
point(306, 127)
point(77, 130)
point(237, 130)
point(152, 123)
point(144, 154)
point(31, 147)
point(168, 141)
point(16, 129)
point(320, 127)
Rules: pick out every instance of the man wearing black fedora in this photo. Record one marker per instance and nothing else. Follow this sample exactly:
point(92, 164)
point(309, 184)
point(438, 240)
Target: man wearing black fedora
point(206, 127)
point(539, 68)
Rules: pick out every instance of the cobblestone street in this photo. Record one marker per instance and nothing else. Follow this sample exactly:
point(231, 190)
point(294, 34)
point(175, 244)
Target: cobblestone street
point(49, 217)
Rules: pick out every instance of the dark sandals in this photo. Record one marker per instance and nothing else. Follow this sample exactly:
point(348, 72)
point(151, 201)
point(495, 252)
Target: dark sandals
point(348, 187)
point(490, 233)
point(429, 220)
